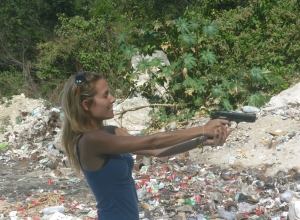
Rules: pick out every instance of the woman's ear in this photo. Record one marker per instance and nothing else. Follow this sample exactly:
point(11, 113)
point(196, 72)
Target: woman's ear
point(85, 105)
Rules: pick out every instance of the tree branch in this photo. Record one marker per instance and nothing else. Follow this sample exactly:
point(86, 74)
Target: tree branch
point(144, 106)
point(6, 50)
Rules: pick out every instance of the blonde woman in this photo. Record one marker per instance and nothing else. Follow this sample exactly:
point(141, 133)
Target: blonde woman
point(103, 154)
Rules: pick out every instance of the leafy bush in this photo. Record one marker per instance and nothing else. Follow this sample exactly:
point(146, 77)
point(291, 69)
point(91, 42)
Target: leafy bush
point(223, 53)
point(81, 45)
point(243, 57)
point(265, 35)
point(11, 83)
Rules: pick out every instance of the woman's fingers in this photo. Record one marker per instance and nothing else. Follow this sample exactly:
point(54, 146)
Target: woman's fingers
point(219, 137)
point(212, 125)
point(230, 130)
point(216, 137)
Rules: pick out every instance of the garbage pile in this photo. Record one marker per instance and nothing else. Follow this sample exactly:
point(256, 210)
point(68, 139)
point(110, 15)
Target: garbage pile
point(36, 182)
point(184, 189)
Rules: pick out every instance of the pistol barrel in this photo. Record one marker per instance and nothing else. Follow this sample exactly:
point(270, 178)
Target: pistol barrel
point(233, 116)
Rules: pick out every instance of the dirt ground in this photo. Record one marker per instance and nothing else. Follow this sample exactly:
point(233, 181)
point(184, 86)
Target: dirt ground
point(248, 146)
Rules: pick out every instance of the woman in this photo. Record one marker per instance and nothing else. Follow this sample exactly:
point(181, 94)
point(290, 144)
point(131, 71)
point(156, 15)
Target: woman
point(103, 154)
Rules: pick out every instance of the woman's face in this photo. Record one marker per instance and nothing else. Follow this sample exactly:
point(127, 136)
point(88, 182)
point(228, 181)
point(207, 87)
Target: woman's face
point(102, 107)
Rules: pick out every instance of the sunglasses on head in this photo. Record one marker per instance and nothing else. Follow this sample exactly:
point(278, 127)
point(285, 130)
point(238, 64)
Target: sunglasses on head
point(79, 78)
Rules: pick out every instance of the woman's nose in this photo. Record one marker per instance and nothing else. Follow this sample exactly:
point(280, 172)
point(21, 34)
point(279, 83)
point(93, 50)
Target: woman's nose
point(113, 99)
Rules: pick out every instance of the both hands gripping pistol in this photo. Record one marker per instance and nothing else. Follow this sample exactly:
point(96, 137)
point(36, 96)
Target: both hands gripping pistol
point(233, 116)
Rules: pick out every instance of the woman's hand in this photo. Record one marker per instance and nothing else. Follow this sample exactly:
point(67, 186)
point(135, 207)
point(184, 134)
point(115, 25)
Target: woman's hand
point(219, 137)
point(212, 125)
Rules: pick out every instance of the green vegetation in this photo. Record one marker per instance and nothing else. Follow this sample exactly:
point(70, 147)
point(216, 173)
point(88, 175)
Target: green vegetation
point(4, 122)
point(223, 53)
point(3, 146)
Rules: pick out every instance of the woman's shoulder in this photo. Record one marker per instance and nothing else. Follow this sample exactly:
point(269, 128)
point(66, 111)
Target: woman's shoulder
point(115, 130)
point(110, 129)
point(100, 142)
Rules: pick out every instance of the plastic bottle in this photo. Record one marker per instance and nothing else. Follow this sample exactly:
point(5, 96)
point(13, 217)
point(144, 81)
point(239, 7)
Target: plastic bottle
point(286, 196)
point(190, 202)
point(245, 207)
point(192, 168)
point(201, 217)
point(250, 109)
point(53, 209)
point(232, 209)
point(226, 215)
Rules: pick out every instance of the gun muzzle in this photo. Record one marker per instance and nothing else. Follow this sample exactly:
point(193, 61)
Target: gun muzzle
point(233, 116)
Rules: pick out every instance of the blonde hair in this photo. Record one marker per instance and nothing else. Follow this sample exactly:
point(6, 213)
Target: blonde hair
point(76, 119)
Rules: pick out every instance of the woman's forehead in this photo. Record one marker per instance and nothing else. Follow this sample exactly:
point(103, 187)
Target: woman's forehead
point(102, 85)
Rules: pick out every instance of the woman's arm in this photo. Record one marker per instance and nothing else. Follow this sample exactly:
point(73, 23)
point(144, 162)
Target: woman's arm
point(182, 147)
point(169, 151)
point(100, 142)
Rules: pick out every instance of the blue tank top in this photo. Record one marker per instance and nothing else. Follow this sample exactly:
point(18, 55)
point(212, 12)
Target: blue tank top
point(114, 188)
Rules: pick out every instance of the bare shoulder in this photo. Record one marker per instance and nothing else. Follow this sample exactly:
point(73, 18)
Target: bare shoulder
point(91, 141)
point(102, 136)
point(89, 137)
point(118, 141)
point(116, 130)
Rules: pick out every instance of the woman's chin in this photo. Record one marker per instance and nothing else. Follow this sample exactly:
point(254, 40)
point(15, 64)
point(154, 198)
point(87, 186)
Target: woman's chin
point(112, 116)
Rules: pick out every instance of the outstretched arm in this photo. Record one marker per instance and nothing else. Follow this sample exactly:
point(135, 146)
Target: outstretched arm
point(218, 139)
point(169, 151)
point(99, 142)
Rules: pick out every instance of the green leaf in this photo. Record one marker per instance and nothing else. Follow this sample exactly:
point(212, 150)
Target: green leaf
point(134, 76)
point(182, 25)
point(188, 39)
point(194, 26)
point(157, 25)
point(189, 60)
point(122, 38)
point(208, 57)
point(225, 81)
point(130, 51)
point(257, 99)
point(226, 104)
point(271, 79)
point(198, 101)
point(176, 65)
point(188, 82)
point(265, 71)
point(121, 65)
point(255, 75)
point(234, 85)
point(199, 84)
point(196, 84)
point(3, 145)
point(210, 29)
point(156, 62)
point(167, 71)
point(217, 91)
point(176, 86)
point(143, 65)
